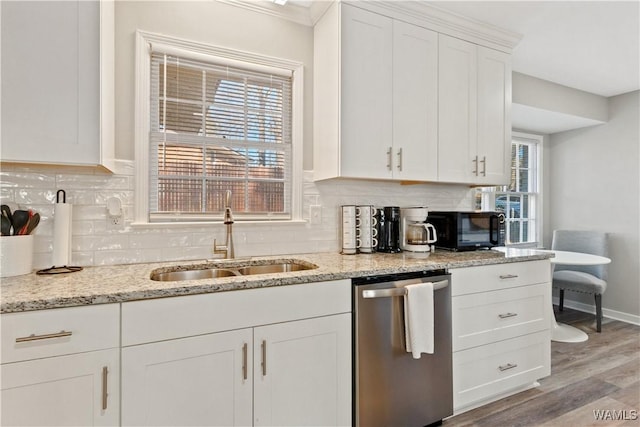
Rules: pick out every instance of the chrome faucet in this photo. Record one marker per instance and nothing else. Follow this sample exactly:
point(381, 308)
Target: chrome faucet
point(227, 249)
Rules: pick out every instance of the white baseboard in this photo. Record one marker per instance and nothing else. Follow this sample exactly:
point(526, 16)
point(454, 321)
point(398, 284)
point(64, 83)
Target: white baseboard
point(606, 312)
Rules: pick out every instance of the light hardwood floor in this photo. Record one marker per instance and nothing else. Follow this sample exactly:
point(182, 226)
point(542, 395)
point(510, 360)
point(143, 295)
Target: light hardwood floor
point(602, 374)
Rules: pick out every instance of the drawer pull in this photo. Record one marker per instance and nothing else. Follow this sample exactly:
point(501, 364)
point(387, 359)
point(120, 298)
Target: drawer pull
point(244, 361)
point(34, 337)
point(105, 373)
point(507, 315)
point(264, 358)
point(507, 367)
point(508, 276)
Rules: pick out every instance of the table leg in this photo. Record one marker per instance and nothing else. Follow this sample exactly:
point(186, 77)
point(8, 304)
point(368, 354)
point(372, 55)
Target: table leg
point(561, 332)
point(565, 333)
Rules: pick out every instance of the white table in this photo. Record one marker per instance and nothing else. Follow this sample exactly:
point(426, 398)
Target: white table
point(561, 332)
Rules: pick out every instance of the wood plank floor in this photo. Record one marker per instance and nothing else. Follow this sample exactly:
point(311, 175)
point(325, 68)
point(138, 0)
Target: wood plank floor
point(602, 373)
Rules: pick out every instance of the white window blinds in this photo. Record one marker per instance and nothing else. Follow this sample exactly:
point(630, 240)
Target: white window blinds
point(214, 128)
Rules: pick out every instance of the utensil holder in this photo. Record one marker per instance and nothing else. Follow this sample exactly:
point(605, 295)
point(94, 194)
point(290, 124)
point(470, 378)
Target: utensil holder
point(16, 255)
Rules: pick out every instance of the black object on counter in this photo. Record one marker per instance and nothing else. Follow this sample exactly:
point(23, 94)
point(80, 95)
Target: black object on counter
point(389, 229)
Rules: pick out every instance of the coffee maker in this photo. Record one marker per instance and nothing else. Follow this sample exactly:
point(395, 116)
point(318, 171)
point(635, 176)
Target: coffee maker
point(416, 234)
point(388, 229)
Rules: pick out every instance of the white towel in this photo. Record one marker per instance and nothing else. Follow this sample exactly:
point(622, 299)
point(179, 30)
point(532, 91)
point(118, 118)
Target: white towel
point(418, 319)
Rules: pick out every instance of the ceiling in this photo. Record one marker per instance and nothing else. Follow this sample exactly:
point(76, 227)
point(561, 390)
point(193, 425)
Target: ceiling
point(593, 46)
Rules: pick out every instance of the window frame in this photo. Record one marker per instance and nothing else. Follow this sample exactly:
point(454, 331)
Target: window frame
point(207, 52)
point(488, 194)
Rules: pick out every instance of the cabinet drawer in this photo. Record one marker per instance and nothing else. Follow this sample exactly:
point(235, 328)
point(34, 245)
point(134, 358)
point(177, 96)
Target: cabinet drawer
point(45, 333)
point(482, 372)
point(470, 280)
point(169, 318)
point(487, 317)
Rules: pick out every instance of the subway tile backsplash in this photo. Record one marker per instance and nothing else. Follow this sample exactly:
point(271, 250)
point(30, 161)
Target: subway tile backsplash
point(96, 243)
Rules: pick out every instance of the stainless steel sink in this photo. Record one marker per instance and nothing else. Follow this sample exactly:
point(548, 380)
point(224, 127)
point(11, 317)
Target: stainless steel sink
point(233, 269)
point(208, 273)
point(284, 267)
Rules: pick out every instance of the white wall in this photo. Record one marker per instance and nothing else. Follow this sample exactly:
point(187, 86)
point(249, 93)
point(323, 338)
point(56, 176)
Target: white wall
point(207, 22)
point(546, 95)
point(594, 179)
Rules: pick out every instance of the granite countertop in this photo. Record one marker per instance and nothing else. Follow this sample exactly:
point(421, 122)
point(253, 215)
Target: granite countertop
point(120, 283)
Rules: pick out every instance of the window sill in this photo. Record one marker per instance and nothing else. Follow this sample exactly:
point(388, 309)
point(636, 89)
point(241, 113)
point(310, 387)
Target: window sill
point(201, 224)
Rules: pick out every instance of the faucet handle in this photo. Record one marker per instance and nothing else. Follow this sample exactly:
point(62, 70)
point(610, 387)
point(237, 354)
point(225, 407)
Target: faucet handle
point(227, 203)
point(219, 249)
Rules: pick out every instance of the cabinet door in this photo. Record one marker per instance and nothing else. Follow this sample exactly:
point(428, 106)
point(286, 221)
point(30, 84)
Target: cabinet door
point(58, 83)
point(203, 380)
point(415, 102)
point(494, 122)
point(366, 100)
point(457, 107)
point(79, 389)
point(303, 372)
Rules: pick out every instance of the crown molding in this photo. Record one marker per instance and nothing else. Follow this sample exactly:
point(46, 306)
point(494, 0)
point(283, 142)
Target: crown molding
point(290, 12)
point(422, 13)
point(417, 12)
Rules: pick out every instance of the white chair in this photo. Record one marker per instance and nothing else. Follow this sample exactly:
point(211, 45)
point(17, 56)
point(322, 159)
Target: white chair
point(589, 279)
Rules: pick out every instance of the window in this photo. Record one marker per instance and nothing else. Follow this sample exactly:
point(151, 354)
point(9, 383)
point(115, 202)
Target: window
point(520, 201)
point(216, 120)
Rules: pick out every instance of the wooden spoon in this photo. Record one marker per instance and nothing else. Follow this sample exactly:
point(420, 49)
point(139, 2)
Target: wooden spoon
point(33, 223)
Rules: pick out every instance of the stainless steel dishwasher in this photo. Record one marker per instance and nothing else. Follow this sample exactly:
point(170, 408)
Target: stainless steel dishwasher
point(391, 388)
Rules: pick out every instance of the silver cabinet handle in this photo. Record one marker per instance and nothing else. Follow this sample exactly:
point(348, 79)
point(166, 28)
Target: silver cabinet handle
point(400, 159)
point(244, 361)
point(507, 315)
point(398, 292)
point(508, 276)
point(484, 165)
point(389, 159)
point(264, 358)
point(34, 337)
point(475, 170)
point(507, 367)
point(105, 377)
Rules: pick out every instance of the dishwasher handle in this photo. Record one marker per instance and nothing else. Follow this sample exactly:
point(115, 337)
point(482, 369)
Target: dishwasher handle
point(398, 292)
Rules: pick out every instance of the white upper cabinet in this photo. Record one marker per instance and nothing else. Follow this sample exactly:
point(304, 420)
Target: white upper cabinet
point(474, 122)
point(394, 99)
point(57, 82)
point(375, 93)
point(365, 93)
point(415, 102)
point(457, 122)
point(494, 116)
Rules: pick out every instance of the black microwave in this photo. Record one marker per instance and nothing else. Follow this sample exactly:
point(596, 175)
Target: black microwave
point(468, 231)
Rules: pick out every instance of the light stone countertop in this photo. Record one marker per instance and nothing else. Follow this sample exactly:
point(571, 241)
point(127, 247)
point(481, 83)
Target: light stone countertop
point(120, 283)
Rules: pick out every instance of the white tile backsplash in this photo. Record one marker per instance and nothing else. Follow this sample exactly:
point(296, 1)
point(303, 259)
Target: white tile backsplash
point(96, 243)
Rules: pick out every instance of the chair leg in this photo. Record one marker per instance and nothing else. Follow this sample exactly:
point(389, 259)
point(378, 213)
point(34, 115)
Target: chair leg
point(561, 304)
point(598, 312)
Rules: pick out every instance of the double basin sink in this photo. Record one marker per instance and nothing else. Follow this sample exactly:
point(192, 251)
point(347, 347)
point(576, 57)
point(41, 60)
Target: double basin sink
point(235, 269)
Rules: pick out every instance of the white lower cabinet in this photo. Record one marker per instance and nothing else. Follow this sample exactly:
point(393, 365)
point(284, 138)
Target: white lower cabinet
point(302, 373)
point(75, 390)
point(61, 367)
point(501, 330)
point(203, 380)
point(286, 359)
point(287, 374)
